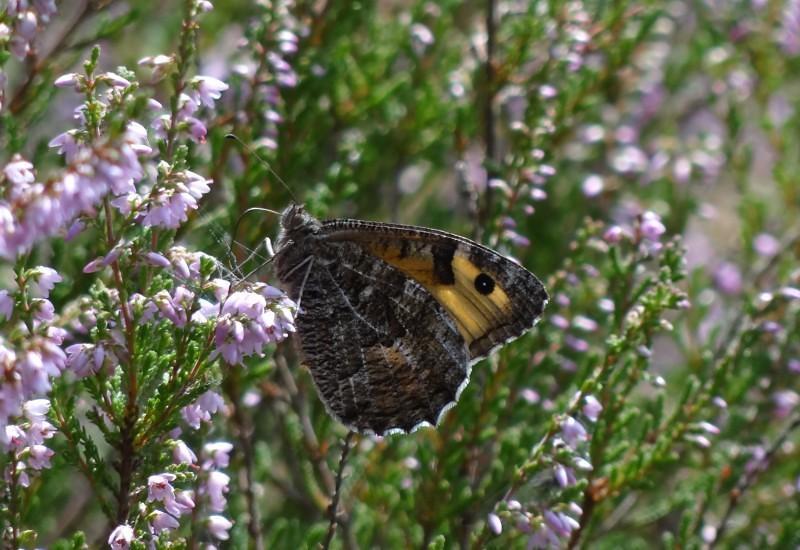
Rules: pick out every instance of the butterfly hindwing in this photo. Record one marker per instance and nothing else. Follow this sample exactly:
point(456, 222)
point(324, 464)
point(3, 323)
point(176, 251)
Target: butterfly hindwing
point(383, 353)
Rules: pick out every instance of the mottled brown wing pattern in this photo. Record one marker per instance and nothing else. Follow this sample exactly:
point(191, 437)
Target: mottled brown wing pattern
point(392, 317)
point(361, 329)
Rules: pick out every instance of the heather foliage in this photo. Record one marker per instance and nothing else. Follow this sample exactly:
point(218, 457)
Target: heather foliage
point(640, 157)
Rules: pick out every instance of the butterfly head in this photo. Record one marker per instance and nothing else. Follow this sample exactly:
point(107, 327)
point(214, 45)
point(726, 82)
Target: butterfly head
point(295, 220)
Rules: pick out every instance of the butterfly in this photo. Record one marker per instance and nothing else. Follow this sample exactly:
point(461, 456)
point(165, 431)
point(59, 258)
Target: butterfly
point(392, 317)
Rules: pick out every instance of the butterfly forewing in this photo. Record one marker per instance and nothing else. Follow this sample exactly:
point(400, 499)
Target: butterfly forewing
point(491, 298)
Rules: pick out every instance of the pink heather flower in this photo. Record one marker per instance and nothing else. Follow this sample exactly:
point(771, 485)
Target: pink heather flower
point(216, 487)
point(183, 503)
point(46, 8)
point(19, 171)
point(42, 280)
point(156, 259)
point(200, 411)
point(789, 33)
point(218, 454)
point(197, 129)
point(421, 38)
point(248, 322)
point(39, 457)
point(160, 64)
point(41, 359)
point(115, 80)
point(700, 440)
point(629, 159)
point(287, 41)
point(651, 226)
point(577, 344)
point(564, 476)
point(708, 427)
point(161, 521)
point(193, 415)
point(584, 323)
point(219, 526)
point(176, 307)
point(65, 144)
point(592, 407)
point(606, 305)
point(159, 487)
point(530, 396)
point(785, 401)
point(790, 293)
point(614, 234)
point(26, 25)
point(559, 321)
point(547, 91)
point(182, 454)
point(592, 185)
point(85, 359)
point(573, 432)
point(211, 402)
point(208, 89)
point(560, 523)
point(36, 410)
point(68, 80)
point(14, 437)
point(42, 309)
point(121, 537)
point(495, 525)
point(728, 278)
point(766, 245)
point(38, 432)
point(24, 478)
point(168, 206)
point(188, 264)
point(757, 460)
point(6, 305)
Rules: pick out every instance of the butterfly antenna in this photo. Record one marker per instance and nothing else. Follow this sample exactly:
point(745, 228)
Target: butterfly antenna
point(232, 269)
point(253, 253)
point(264, 162)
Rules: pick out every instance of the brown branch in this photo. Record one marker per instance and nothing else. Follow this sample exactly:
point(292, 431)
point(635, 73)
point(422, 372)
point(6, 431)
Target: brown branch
point(332, 509)
point(244, 431)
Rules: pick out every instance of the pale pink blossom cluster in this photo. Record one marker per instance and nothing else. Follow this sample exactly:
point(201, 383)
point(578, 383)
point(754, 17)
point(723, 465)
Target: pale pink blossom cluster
point(202, 92)
point(551, 527)
point(280, 74)
point(248, 320)
point(31, 211)
point(165, 203)
point(25, 441)
point(26, 18)
point(646, 229)
point(30, 348)
point(168, 505)
point(201, 410)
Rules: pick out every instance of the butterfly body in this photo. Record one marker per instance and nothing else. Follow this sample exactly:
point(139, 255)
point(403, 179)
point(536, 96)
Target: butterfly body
point(393, 316)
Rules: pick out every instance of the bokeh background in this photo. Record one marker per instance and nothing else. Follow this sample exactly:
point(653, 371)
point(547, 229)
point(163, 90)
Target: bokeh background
point(641, 157)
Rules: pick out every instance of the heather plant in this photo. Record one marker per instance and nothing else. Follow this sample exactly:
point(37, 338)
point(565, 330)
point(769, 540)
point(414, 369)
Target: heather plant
point(640, 157)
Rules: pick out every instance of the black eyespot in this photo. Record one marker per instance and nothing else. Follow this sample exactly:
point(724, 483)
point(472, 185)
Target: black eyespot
point(484, 284)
